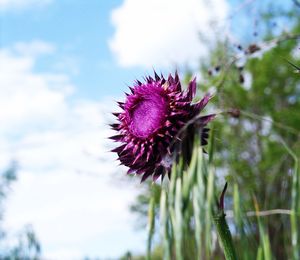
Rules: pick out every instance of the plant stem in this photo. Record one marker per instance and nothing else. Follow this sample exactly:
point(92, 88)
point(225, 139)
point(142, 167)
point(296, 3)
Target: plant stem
point(223, 229)
point(151, 216)
point(225, 236)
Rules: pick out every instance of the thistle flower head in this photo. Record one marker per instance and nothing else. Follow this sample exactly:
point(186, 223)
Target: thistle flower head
point(155, 119)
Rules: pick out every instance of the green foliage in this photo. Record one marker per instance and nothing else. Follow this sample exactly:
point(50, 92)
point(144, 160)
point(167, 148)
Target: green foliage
point(256, 147)
point(250, 146)
point(27, 246)
point(6, 179)
point(140, 206)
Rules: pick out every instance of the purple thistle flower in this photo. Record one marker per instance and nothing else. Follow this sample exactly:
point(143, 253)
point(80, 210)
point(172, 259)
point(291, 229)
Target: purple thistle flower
point(158, 122)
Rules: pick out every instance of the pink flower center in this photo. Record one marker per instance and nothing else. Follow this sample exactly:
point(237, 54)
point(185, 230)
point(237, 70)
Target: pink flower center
point(148, 115)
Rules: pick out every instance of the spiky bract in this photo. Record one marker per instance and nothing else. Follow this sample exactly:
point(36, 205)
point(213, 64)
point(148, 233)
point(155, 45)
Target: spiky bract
point(156, 121)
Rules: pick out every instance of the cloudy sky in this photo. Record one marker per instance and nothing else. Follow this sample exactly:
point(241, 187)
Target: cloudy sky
point(62, 66)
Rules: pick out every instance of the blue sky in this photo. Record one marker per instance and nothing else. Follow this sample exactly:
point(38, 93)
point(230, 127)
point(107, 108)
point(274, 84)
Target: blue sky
point(80, 31)
point(60, 78)
point(62, 65)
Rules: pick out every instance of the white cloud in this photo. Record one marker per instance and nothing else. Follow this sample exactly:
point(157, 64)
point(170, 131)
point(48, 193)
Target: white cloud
point(34, 48)
point(163, 33)
point(21, 4)
point(65, 186)
point(29, 98)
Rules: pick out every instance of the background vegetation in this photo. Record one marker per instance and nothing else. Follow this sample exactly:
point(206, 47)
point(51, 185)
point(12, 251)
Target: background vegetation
point(23, 245)
point(255, 144)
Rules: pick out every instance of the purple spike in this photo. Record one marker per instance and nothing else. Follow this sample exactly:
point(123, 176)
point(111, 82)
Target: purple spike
point(148, 156)
point(116, 114)
point(204, 135)
point(158, 172)
point(121, 104)
point(206, 119)
point(203, 102)
point(155, 113)
point(130, 171)
point(146, 175)
point(170, 79)
point(116, 137)
point(118, 149)
point(176, 76)
point(178, 86)
point(157, 78)
point(203, 141)
point(184, 103)
point(149, 79)
point(114, 126)
point(135, 148)
point(192, 89)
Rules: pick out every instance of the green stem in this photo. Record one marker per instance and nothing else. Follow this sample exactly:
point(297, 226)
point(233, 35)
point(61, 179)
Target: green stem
point(151, 216)
point(178, 228)
point(223, 229)
point(164, 225)
point(225, 236)
point(295, 207)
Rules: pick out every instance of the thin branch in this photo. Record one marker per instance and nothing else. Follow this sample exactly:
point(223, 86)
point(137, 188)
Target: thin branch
point(263, 213)
point(243, 5)
point(296, 2)
point(252, 49)
point(277, 124)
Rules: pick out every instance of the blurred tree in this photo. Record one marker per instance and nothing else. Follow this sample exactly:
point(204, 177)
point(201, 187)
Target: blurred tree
point(258, 92)
point(25, 245)
point(262, 98)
